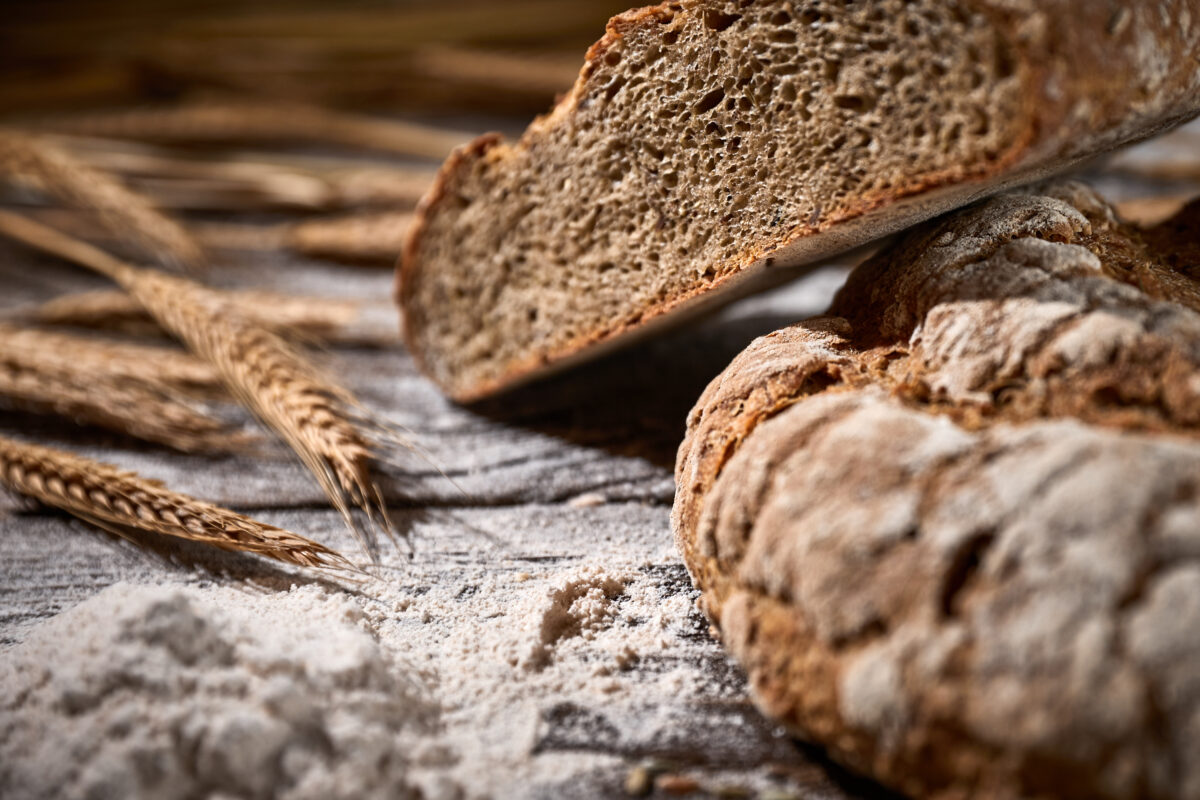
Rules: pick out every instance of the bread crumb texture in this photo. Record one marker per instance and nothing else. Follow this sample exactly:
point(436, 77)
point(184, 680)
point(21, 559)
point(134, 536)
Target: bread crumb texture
point(705, 139)
point(952, 530)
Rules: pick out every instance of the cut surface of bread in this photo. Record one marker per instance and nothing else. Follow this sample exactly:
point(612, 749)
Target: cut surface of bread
point(710, 145)
point(951, 530)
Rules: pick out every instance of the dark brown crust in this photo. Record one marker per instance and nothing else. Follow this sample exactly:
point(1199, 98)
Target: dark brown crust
point(1101, 329)
point(1056, 87)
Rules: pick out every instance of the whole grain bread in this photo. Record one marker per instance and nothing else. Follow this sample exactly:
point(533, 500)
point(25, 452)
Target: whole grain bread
point(710, 145)
point(952, 530)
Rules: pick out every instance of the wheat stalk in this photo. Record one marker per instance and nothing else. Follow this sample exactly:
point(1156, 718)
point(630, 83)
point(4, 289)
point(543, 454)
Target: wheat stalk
point(375, 237)
point(32, 162)
point(172, 370)
point(317, 319)
point(361, 238)
point(213, 236)
point(100, 309)
point(538, 74)
point(378, 186)
point(246, 181)
point(129, 409)
point(259, 122)
point(136, 390)
point(122, 502)
point(201, 183)
point(315, 416)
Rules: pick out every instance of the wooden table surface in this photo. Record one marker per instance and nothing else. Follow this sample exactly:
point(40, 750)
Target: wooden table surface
point(572, 470)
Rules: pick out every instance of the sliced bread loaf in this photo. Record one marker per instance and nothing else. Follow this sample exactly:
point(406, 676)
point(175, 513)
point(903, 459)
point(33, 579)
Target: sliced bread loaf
point(709, 145)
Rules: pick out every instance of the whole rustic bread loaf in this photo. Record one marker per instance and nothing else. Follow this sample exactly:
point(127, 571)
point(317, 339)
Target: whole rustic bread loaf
point(952, 531)
point(710, 144)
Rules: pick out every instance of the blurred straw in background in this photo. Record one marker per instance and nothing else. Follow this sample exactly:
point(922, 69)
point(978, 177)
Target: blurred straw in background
point(472, 56)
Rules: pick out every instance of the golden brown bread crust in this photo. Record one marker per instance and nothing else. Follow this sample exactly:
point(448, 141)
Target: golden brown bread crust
point(1094, 75)
point(951, 530)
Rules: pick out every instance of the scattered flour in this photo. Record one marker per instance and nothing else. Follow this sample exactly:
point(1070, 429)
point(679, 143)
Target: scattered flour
point(436, 689)
point(581, 607)
point(509, 647)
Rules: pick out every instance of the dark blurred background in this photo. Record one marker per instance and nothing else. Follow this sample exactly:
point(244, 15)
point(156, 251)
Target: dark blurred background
point(428, 56)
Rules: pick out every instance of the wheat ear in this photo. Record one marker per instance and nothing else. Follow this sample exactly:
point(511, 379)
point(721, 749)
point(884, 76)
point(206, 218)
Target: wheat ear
point(267, 375)
point(122, 502)
point(139, 391)
point(33, 162)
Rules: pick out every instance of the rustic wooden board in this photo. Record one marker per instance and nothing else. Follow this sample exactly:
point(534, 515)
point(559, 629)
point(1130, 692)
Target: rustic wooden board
point(576, 469)
point(606, 435)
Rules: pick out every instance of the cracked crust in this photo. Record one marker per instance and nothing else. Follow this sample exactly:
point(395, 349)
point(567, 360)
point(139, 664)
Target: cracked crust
point(952, 530)
point(1080, 79)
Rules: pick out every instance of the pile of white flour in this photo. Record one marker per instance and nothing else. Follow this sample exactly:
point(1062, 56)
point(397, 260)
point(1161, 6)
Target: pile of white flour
point(161, 691)
point(319, 692)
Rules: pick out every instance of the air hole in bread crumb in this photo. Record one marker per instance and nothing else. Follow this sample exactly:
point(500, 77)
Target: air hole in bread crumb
point(1006, 65)
point(854, 102)
point(719, 21)
point(710, 101)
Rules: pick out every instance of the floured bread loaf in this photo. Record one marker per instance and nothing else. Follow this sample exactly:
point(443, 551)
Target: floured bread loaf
point(952, 531)
point(708, 145)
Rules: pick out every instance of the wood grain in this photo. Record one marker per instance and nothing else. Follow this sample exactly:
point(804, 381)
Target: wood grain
point(577, 468)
